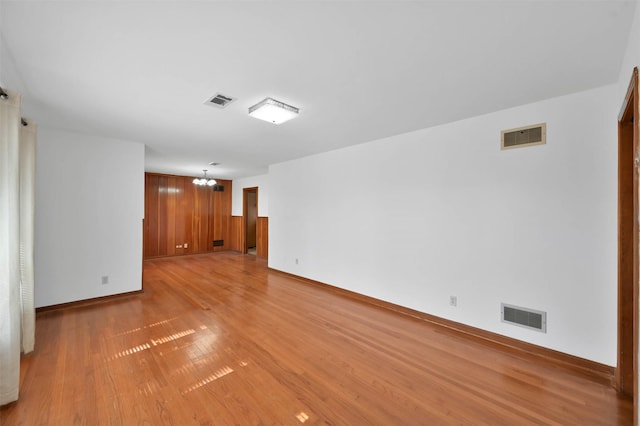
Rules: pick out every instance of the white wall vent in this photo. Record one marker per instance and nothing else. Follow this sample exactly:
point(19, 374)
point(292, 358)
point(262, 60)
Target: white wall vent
point(524, 136)
point(219, 100)
point(524, 317)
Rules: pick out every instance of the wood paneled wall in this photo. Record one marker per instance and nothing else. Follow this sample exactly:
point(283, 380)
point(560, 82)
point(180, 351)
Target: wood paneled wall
point(236, 233)
point(262, 235)
point(179, 213)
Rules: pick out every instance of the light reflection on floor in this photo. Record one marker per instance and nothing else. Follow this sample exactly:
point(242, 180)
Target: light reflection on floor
point(206, 338)
point(302, 417)
point(135, 330)
point(175, 336)
point(215, 376)
point(131, 351)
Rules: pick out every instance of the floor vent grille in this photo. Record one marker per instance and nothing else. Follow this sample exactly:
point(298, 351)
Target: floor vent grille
point(524, 317)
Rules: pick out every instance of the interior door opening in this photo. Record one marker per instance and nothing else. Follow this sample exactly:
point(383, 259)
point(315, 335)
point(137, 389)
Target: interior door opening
point(250, 216)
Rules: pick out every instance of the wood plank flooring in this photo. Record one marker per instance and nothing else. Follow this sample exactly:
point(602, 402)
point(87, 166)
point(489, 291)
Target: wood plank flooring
point(219, 339)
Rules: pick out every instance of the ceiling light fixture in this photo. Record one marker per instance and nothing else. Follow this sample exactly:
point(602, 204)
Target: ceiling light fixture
point(273, 111)
point(204, 180)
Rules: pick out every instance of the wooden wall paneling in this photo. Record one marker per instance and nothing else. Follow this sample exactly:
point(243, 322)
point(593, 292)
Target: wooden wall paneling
point(225, 214)
point(235, 233)
point(262, 237)
point(252, 219)
point(214, 223)
point(187, 212)
point(151, 216)
point(219, 216)
point(178, 212)
point(171, 215)
point(188, 208)
point(180, 228)
point(162, 215)
point(201, 219)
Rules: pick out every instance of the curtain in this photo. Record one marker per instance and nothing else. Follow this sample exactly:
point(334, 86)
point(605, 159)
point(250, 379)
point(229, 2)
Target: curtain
point(17, 313)
point(27, 227)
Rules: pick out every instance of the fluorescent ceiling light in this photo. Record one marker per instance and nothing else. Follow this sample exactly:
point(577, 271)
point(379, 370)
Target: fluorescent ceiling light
point(273, 111)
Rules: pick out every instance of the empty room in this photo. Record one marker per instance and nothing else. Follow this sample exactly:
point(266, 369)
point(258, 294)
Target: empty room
point(319, 212)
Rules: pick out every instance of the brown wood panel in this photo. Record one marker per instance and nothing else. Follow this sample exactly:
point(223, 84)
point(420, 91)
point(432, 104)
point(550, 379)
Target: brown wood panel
point(247, 345)
point(163, 219)
point(201, 219)
point(171, 215)
point(182, 213)
point(220, 215)
point(225, 210)
point(217, 225)
point(252, 219)
point(151, 216)
point(262, 231)
point(235, 233)
point(188, 207)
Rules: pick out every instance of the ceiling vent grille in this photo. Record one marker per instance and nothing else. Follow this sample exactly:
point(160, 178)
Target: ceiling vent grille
point(524, 136)
point(524, 317)
point(219, 100)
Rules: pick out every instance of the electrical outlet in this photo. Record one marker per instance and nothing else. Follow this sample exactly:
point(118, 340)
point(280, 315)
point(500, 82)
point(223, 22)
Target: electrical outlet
point(179, 246)
point(296, 260)
point(185, 245)
point(453, 300)
point(105, 279)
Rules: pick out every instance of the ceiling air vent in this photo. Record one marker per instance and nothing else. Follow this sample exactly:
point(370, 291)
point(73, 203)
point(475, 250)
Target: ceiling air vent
point(524, 136)
point(524, 317)
point(219, 100)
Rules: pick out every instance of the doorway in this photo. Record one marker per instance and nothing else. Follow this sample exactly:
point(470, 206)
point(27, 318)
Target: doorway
point(626, 371)
point(250, 219)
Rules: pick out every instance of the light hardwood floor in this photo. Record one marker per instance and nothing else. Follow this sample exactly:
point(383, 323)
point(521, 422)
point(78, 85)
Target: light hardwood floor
point(219, 339)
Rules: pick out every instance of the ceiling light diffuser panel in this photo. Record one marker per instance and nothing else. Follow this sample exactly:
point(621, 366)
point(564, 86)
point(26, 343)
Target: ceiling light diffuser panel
point(273, 111)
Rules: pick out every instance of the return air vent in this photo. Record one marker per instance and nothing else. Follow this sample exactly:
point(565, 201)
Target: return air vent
point(524, 317)
point(219, 100)
point(218, 243)
point(524, 136)
point(218, 188)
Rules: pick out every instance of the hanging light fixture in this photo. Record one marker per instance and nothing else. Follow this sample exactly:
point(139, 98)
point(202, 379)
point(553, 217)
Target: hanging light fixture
point(204, 180)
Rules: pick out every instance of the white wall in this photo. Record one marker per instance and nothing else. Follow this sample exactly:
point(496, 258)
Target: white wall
point(415, 218)
point(262, 182)
point(8, 71)
point(89, 210)
point(631, 60)
point(631, 57)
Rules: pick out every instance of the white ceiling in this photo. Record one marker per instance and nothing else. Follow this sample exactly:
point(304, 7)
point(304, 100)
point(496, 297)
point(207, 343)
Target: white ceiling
point(358, 71)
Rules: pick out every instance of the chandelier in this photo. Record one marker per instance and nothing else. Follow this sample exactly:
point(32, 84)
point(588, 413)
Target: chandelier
point(204, 180)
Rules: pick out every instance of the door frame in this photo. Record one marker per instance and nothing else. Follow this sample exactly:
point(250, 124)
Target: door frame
point(626, 377)
point(245, 196)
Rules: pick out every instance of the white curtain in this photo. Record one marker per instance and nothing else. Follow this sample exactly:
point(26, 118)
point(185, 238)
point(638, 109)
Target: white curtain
point(27, 227)
point(17, 173)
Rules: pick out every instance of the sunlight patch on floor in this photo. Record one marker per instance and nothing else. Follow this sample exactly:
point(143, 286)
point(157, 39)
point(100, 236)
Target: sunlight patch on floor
point(215, 376)
point(302, 417)
point(135, 330)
